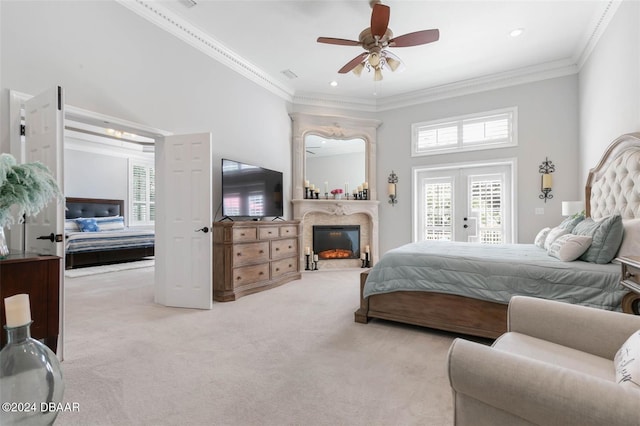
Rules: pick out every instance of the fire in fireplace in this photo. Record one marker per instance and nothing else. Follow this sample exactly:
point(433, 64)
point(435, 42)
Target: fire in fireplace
point(336, 241)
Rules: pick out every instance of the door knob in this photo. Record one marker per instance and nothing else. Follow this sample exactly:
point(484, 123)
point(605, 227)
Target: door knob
point(203, 229)
point(465, 226)
point(51, 237)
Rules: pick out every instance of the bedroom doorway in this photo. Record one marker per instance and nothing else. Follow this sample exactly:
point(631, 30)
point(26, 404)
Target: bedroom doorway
point(469, 203)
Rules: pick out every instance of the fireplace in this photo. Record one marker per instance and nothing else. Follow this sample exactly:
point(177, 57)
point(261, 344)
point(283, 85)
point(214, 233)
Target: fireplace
point(336, 241)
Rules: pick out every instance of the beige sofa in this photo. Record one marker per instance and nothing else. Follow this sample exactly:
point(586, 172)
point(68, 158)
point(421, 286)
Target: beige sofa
point(554, 366)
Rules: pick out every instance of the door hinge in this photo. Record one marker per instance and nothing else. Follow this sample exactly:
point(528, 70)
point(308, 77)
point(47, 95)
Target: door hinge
point(23, 130)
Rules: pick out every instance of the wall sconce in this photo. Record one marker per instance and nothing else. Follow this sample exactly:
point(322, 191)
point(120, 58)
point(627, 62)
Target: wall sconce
point(393, 180)
point(546, 182)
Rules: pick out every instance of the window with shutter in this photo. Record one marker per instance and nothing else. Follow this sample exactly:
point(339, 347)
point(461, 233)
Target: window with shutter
point(486, 130)
point(141, 194)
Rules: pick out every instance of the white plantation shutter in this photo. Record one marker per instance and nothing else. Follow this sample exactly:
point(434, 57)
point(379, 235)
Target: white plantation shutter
point(437, 209)
point(142, 194)
point(492, 129)
point(486, 196)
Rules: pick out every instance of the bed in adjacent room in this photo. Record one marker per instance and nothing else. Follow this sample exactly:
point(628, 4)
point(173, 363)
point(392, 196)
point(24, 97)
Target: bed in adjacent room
point(95, 234)
point(465, 287)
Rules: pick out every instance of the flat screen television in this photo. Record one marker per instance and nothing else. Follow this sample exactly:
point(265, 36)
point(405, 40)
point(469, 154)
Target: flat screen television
point(250, 191)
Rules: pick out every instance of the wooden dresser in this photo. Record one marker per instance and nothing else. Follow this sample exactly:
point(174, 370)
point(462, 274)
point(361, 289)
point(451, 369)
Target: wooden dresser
point(39, 277)
point(252, 256)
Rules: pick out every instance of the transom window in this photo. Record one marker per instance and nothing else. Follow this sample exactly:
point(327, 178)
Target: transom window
point(485, 130)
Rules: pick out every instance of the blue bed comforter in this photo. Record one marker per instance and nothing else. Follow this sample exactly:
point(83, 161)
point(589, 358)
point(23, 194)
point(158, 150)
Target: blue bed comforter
point(495, 273)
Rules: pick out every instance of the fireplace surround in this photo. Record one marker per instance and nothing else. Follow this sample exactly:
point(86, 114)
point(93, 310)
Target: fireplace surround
point(336, 212)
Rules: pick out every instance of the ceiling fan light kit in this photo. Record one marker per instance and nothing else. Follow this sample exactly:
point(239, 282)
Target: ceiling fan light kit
point(375, 40)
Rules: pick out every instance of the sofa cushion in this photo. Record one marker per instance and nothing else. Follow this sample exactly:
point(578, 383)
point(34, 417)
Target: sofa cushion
point(627, 361)
point(561, 356)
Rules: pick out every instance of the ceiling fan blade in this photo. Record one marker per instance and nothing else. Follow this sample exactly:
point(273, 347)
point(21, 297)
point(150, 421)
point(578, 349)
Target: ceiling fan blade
point(353, 63)
point(339, 41)
point(380, 19)
point(415, 39)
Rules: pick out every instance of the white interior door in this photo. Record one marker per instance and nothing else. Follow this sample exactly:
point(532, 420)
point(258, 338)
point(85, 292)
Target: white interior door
point(44, 129)
point(183, 274)
point(44, 142)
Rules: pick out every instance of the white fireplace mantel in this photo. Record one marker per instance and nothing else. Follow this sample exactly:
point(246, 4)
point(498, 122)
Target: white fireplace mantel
point(302, 207)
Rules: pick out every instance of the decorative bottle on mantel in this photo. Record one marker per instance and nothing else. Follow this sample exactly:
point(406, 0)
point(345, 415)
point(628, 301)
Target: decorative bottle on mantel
point(31, 385)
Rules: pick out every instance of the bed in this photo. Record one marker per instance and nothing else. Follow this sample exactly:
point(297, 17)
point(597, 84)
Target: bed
point(463, 288)
point(95, 234)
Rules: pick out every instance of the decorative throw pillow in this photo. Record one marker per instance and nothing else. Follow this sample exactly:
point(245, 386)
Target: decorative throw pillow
point(553, 234)
point(569, 247)
point(88, 224)
point(631, 238)
point(606, 235)
point(627, 361)
point(571, 222)
point(541, 237)
point(110, 223)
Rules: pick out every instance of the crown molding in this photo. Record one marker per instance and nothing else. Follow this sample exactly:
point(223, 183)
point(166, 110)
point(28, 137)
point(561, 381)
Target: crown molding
point(185, 31)
point(598, 25)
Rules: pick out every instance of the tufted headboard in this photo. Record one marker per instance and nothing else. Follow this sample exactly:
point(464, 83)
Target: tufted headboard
point(613, 186)
point(93, 207)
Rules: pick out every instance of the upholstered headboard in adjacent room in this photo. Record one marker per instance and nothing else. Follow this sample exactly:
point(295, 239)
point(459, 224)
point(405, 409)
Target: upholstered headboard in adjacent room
point(93, 207)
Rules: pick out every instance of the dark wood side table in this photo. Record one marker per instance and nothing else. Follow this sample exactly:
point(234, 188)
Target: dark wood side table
point(631, 280)
point(39, 277)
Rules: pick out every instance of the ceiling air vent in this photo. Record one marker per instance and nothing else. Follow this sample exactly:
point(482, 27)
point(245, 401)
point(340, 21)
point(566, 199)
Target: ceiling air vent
point(290, 74)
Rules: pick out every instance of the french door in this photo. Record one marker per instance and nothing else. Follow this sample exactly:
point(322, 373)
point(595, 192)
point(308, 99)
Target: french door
point(471, 203)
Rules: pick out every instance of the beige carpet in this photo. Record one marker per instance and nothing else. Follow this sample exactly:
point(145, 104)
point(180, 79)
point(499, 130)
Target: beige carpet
point(288, 356)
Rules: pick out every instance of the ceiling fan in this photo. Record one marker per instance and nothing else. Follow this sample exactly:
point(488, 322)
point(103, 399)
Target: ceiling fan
point(376, 39)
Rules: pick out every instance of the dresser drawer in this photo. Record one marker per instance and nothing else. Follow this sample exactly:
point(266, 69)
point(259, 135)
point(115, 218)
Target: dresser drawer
point(250, 274)
point(250, 253)
point(284, 266)
point(631, 273)
point(288, 231)
point(244, 234)
point(268, 232)
point(284, 248)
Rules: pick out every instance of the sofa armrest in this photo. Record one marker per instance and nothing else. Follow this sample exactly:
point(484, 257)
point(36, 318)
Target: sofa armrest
point(538, 392)
point(596, 331)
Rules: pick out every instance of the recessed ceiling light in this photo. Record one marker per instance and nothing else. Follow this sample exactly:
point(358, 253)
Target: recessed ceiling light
point(517, 32)
point(333, 83)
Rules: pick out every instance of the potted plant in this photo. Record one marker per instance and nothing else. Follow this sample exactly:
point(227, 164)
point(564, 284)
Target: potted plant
point(28, 187)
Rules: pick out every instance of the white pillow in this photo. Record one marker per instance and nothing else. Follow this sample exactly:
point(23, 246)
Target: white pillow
point(627, 361)
point(553, 234)
point(631, 239)
point(541, 237)
point(569, 247)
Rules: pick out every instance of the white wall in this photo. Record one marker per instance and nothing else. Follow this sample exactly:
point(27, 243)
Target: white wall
point(610, 87)
point(87, 174)
point(547, 127)
point(112, 61)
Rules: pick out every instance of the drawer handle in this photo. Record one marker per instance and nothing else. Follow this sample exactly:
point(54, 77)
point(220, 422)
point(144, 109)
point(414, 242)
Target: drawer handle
point(242, 234)
point(629, 275)
point(277, 248)
point(269, 232)
point(290, 266)
point(261, 251)
point(238, 278)
point(277, 269)
point(261, 273)
point(238, 254)
point(290, 247)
